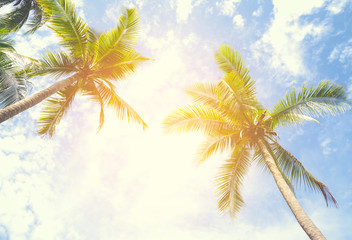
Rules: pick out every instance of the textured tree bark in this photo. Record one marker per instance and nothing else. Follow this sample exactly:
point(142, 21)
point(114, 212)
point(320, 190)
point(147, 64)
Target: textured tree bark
point(36, 98)
point(301, 216)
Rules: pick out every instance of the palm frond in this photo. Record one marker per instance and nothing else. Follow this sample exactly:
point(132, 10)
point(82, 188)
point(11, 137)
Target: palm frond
point(113, 44)
point(230, 178)
point(259, 159)
point(91, 90)
point(196, 118)
point(13, 85)
point(54, 109)
point(230, 60)
point(111, 99)
point(327, 98)
point(37, 18)
point(296, 172)
point(5, 2)
point(124, 65)
point(15, 19)
point(217, 144)
point(69, 27)
point(239, 99)
point(6, 44)
point(205, 94)
point(54, 63)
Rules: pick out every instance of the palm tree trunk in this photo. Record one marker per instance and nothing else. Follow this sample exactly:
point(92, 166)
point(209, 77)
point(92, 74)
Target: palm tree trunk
point(303, 219)
point(36, 98)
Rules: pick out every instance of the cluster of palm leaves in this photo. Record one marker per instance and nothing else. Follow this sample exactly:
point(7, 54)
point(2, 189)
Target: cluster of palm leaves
point(13, 84)
point(89, 61)
point(22, 12)
point(231, 117)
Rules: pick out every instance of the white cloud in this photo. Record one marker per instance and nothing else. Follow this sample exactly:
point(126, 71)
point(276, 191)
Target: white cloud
point(336, 6)
point(238, 21)
point(342, 53)
point(258, 12)
point(113, 10)
point(349, 88)
point(228, 7)
point(78, 3)
point(35, 44)
point(282, 42)
point(184, 9)
point(326, 145)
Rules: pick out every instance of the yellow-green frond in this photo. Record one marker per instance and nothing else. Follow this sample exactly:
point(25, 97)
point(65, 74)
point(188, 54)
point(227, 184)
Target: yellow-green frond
point(54, 109)
point(230, 60)
point(235, 97)
point(111, 99)
point(69, 27)
point(196, 117)
point(295, 172)
point(204, 93)
point(259, 159)
point(54, 63)
point(120, 67)
point(230, 178)
point(217, 144)
point(327, 98)
point(118, 40)
point(89, 88)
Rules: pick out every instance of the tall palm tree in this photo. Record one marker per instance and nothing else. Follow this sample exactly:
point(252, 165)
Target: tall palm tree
point(232, 118)
point(23, 11)
point(91, 63)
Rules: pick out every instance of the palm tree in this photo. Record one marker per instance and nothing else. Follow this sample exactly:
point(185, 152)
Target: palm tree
point(91, 63)
point(231, 117)
point(24, 11)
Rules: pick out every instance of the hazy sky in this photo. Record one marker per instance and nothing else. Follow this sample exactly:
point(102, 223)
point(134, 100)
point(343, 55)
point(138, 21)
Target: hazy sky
point(129, 184)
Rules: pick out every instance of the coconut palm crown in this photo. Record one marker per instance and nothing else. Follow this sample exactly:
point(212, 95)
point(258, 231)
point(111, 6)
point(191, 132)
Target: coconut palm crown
point(231, 117)
point(90, 62)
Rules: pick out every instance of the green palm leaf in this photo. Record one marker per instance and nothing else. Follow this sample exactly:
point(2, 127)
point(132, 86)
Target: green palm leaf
point(5, 44)
point(91, 90)
point(70, 28)
point(15, 19)
point(295, 171)
point(205, 94)
point(327, 98)
point(229, 60)
point(230, 178)
point(238, 98)
point(197, 118)
point(54, 109)
point(5, 2)
point(37, 19)
point(54, 63)
point(112, 45)
point(216, 144)
point(109, 97)
point(124, 65)
point(13, 85)
point(259, 159)
point(24, 11)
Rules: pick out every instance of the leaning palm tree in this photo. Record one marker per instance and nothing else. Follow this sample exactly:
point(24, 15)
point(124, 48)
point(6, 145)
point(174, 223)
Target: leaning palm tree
point(232, 118)
point(22, 12)
point(90, 63)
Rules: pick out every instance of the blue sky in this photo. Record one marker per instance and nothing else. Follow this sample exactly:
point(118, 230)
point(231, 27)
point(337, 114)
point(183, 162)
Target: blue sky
point(124, 183)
